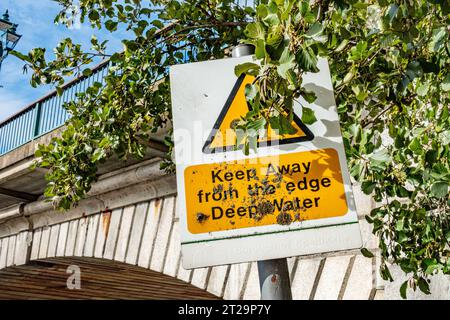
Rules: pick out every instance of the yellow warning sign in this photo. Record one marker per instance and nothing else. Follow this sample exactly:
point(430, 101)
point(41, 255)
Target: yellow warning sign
point(223, 138)
point(269, 190)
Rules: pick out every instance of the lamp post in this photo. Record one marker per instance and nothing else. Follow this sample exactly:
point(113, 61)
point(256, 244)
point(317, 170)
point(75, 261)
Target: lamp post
point(8, 36)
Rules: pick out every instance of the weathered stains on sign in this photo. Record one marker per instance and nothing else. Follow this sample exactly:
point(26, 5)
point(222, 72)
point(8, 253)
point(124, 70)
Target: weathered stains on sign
point(157, 205)
point(106, 219)
point(263, 191)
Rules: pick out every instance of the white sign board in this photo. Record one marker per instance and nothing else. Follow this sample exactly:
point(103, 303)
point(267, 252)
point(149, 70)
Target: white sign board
point(293, 197)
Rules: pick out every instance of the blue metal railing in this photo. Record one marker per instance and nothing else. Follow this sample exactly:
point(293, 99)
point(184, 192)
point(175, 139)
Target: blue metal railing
point(46, 114)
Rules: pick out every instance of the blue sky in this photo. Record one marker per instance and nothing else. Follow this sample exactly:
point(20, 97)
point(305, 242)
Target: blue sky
point(35, 19)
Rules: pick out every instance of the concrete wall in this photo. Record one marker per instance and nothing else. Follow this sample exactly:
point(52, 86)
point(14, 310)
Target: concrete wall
point(131, 216)
point(139, 224)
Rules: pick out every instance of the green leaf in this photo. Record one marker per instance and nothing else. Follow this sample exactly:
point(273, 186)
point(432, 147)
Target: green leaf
point(315, 32)
point(260, 49)
point(271, 19)
point(111, 25)
point(255, 30)
point(93, 15)
point(349, 76)
point(366, 253)
point(341, 46)
point(415, 146)
point(392, 12)
point(307, 60)
point(309, 96)
point(286, 125)
point(359, 52)
point(256, 125)
point(439, 189)
point(87, 72)
point(59, 90)
point(445, 85)
point(274, 38)
point(247, 68)
point(308, 116)
point(381, 155)
point(423, 89)
point(251, 91)
point(423, 285)
point(157, 23)
point(438, 39)
point(385, 273)
point(253, 143)
point(368, 186)
point(286, 63)
point(432, 268)
point(403, 289)
point(414, 70)
point(98, 154)
point(20, 56)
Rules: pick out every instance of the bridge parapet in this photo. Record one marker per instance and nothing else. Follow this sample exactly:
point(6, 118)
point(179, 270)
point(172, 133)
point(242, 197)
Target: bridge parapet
point(131, 216)
point(45, 114)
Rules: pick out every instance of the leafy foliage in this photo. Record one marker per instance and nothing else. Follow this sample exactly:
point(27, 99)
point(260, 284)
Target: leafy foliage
point(117, 118)
point(390, 79)
point(287, 37)
point(390, 66)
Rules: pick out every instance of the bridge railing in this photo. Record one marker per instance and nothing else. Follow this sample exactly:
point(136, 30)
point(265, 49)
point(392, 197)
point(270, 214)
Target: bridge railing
point(46, 114)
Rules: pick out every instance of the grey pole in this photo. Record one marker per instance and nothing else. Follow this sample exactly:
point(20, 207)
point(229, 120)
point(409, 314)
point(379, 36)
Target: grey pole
point(242, 50)
point(274, 279)
point(273, 274)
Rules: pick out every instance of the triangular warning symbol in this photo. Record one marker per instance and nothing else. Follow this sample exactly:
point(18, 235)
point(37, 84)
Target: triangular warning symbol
point(222, 138)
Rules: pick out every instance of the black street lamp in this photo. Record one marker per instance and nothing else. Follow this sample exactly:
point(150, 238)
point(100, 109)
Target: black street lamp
point(8, 36)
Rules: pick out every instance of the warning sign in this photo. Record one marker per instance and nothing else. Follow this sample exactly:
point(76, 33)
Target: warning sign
point(290, 197)
point(223, 138)
point(274, 190)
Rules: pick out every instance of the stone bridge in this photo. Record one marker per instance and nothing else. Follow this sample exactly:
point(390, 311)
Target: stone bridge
point(124, 236)
point(130, 219)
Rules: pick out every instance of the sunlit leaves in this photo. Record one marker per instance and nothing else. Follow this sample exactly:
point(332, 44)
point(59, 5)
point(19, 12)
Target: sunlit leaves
point(247, 68)
point(440, 189)
point(438, 39)
point(116, 117)
point(255, 30)
point(287, 38)
point(390, 67)
point(308, 116)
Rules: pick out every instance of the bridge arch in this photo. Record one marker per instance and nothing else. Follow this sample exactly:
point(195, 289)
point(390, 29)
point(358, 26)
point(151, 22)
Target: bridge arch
point(54, 278)
point(143, 234)
point(131, 218)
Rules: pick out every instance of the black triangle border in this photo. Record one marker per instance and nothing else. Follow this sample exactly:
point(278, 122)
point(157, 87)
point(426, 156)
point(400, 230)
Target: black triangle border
point(206, 147)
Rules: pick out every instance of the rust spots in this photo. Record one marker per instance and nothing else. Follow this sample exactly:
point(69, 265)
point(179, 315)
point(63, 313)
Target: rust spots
point(274, 278)
point(278, 178)
point(157, 203)
point(201, 217)
point(299, 216)
point(284, 219)
point(264, 208)
point(106, 219)
point(218, 188)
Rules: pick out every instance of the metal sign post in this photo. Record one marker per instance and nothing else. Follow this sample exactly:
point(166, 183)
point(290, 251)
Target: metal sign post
point(274, 280)
point(273, 274)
